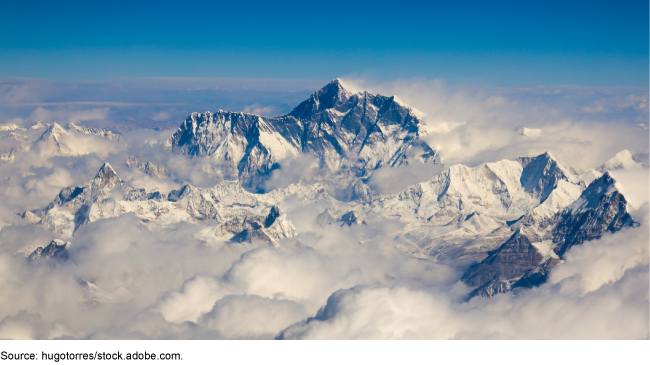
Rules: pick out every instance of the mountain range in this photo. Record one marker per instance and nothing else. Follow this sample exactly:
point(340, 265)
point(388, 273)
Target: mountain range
point(507, 222)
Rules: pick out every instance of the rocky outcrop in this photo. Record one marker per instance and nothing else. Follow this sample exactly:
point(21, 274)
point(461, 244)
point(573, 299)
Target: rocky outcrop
point(149, 168)
point(57, 249)
point(526, 258)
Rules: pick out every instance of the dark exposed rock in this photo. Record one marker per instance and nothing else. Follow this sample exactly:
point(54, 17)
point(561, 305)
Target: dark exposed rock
point(57, 249)
point(541, 175)
point(348, 219)
point(513, 259)
point(67, 194)
point(273, 215)
point(518, 263)
point(106, 176)
point(601, 208)
point(353, 132)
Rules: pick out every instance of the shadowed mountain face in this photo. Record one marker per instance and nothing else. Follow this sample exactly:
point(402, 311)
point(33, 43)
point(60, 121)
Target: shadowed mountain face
point(518, 218)
point(526, 258)
point(349, 133)
point(541, 175)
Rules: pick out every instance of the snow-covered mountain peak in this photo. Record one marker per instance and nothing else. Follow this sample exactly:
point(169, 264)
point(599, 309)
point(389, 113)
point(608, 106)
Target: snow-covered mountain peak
point(330, 96)
point(53, 132)
point(350, 134)
point(232, 210)
point(40, 124)
point(106, 176)
point(11, 127)
point(95, 131)
point(541, 174)
point(622, 160)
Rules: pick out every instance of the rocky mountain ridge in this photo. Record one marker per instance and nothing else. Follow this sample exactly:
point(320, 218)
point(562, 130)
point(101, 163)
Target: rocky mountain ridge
point(354, 133)
point(239, 212)
point(537, 246)
point(516, 218)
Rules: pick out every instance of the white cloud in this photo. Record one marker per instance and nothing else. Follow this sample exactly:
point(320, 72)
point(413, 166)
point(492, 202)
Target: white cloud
point(600, 292)
point(259, 109)
point(252, 316)
point(84, 115)
point(163, 115)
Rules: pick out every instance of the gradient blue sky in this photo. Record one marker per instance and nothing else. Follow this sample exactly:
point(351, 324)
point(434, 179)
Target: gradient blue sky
point(503, 43)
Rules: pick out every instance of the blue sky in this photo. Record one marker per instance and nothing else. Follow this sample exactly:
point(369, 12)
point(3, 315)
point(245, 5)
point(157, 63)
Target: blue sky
point(503, 43)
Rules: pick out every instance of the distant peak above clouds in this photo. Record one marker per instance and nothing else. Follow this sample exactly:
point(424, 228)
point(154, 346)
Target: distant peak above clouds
point(622, 160)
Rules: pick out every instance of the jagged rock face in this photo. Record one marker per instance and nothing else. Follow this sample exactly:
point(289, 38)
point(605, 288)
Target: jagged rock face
point(599, 209)
point(7, 154)
point(524, 260)
point(358, 126)
point(235, 138)
point(105, 177)
point(511, 261)
point(541, 175)
point(257, 228)
point(352, 132)
point(51, 139)
point(346, 219)
point(153, 170)
point(56, 249)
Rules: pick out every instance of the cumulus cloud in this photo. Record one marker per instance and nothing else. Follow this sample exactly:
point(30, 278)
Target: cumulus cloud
point(600, 292)
point(259, 109)
point(391, 180)
point(294, 170)
point(160, 116)
point(84, 115)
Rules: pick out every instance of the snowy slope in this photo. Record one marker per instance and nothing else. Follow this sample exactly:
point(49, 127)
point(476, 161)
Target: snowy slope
point(236, 210)
point(538, 245)
point(351, 133)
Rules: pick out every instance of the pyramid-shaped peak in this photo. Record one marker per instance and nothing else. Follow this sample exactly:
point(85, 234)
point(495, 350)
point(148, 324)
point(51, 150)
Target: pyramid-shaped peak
point(544, 158)
point(53, 131)
point(330, 92)
point(55, 127)
point(106, 175)
point(336, 83)
point(106, 168)
point(541, 174)
point(622, 160)
point(624, 154)
point(329, 96)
